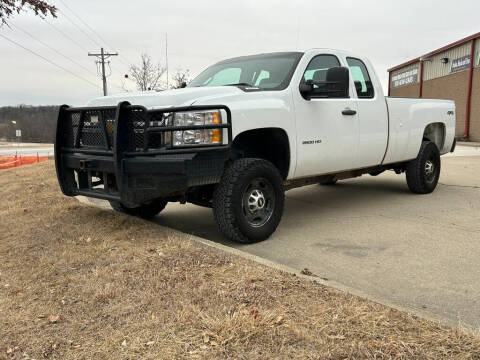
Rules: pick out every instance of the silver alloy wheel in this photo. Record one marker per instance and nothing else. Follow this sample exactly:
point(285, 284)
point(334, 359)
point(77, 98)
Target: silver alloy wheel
point(258, 202)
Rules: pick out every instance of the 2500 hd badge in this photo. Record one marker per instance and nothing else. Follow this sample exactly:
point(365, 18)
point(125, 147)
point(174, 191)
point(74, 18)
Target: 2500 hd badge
point(310, 142)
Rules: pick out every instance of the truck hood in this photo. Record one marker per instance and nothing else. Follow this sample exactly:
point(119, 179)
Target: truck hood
point(168, 98)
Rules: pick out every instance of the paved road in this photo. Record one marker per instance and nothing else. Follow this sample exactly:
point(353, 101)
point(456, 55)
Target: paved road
point(372, 234)
point(27, 151)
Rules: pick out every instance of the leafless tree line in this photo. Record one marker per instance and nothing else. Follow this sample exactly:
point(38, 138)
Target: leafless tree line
point(37, 123)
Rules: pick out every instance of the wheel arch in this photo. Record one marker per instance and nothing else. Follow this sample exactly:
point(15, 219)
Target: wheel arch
point(271, 143)
point(435, 132)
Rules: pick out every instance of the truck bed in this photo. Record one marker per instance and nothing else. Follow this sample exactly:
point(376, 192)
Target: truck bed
point(408, 119)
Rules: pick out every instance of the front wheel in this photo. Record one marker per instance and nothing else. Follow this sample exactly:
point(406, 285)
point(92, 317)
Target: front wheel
point(146, 211)
point(424, 171)
point(248, 201)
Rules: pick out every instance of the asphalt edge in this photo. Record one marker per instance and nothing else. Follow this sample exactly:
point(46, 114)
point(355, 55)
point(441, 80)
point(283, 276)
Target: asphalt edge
point(468, 143)
point(329, 283)
point(410, 310)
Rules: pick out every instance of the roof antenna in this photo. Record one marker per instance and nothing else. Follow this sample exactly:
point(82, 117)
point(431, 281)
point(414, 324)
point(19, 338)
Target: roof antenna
point(166, 55)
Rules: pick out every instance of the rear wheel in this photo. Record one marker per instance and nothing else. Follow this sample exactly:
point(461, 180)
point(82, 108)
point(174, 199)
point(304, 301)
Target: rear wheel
point(424, 171)
point(147, 211)
point(248, 201)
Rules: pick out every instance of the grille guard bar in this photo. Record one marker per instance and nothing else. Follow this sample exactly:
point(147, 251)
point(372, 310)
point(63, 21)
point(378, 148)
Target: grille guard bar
point(119, 144)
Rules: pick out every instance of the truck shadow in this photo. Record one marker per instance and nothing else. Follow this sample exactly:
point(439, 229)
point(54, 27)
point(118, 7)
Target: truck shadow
point(308, 206)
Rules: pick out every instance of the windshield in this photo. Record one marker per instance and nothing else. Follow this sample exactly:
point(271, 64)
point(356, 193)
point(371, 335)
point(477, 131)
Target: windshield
point(266, 71)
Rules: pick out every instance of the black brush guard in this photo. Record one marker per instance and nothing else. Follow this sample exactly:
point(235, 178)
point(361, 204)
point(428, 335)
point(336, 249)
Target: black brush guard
point(119, 153)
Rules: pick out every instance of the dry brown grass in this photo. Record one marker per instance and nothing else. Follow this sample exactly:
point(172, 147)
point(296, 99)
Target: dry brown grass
point(123, 288)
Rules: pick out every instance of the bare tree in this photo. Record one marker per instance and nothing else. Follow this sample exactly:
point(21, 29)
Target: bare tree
point(39, 7)
point(147, 75)
point(180, 79)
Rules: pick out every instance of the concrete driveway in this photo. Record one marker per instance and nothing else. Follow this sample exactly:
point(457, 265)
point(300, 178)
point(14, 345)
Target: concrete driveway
point(372, 234)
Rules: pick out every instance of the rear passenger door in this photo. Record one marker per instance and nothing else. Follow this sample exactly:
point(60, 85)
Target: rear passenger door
point(372, 114)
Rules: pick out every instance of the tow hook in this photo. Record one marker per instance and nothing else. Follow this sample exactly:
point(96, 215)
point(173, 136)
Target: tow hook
point(84, 164)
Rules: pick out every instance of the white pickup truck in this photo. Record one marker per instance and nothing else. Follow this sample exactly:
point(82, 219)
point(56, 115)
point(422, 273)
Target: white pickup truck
point(246, 130)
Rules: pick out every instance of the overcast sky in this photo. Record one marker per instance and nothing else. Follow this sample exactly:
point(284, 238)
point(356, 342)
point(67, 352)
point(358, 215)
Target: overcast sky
point(201, 33)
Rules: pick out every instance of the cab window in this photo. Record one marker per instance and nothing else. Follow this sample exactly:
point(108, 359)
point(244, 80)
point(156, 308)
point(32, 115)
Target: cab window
point(225, 76)
point(361, 78)
point(266, 71)
point(262, 77)
point(317, 71)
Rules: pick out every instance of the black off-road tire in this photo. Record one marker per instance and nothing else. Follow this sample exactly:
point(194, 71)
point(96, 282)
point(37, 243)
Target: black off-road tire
point(147, 211)
point(419, 179)
point(118, 206)
point(230, 194)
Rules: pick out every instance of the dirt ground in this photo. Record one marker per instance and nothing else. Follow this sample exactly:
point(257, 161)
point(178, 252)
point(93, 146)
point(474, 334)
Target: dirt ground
point(78, 282)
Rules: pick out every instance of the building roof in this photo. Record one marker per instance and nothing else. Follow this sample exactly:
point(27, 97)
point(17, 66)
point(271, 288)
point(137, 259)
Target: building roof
point(434, 52)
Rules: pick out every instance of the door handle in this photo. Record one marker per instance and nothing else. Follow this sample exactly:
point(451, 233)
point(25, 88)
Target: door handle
point(348, 112)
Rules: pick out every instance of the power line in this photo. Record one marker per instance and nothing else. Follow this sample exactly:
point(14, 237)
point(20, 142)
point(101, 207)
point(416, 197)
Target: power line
point(120, 87)
point(49, 61)
point(79, 46)
point(84, 23)
point(127, 63)
point(66, 36)
point(80, 29)
point(115, 68)
point(82, 48)
point(53, 49)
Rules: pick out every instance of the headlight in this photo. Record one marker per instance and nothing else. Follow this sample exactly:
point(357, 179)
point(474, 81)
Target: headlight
point(197, 136)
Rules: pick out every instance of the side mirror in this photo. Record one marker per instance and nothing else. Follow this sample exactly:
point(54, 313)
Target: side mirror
point(306, 88)
point(183, 85)
point(336, 85)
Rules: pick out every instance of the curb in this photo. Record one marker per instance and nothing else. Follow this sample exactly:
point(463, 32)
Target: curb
point(468, 143)
point(413, 311)
point(328, 283)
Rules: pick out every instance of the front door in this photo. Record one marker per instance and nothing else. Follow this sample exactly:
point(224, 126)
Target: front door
point(327, 127)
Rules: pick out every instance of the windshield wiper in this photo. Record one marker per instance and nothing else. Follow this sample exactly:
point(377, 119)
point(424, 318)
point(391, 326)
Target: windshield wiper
point(241, 84)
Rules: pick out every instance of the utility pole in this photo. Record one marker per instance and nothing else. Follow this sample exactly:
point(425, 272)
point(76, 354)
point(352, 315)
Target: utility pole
point(103, 56)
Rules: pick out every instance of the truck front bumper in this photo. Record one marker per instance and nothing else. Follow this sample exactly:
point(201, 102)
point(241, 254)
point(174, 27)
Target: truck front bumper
point(120, 165)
